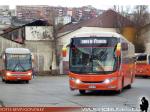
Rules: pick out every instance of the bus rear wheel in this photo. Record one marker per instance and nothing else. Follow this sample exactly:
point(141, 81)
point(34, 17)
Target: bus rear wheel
point(82, 92)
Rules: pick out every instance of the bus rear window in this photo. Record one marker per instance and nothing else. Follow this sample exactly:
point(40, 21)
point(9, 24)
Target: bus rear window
point(142, 58)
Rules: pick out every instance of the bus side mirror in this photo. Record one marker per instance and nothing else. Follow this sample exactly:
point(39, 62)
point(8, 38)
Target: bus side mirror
point(32, 57)
point(118, 50)
point(64, 51)
point(3, 57)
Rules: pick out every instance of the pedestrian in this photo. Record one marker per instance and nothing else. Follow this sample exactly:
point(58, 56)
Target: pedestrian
point(34, 72)
point(144, 106)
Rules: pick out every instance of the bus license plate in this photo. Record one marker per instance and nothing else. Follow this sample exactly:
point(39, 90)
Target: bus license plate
point(92, 86)
point(18, 78)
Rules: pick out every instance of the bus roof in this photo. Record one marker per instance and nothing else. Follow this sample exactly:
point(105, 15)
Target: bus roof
point(101, 34)
point(17, 51)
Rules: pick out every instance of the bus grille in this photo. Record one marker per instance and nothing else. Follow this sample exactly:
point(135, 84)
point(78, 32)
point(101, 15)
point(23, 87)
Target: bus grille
point(92, 81)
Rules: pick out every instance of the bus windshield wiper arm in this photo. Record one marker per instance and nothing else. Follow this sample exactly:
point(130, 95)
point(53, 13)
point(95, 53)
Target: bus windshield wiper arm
point(15, 67)
point(21, 65)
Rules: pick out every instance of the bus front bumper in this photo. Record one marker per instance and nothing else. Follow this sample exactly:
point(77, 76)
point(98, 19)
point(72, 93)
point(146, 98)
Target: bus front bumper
point(15, 77)
point(104, 85)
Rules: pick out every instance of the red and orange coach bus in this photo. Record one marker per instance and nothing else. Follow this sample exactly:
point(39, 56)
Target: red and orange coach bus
point(17, 65)
point(142, 64)
point(102, 61)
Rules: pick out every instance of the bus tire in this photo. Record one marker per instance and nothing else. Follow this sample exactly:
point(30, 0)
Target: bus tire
point(128, 86)
point(27, 81)
point(82, 92)
point(6, 81)
point(119, 91)
point(145, 76)
point(3, 80)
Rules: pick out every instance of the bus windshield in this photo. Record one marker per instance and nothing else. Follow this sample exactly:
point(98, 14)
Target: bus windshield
point(93, 55)
point(18, 62)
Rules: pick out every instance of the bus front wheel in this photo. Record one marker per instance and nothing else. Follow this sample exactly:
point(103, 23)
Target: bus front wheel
point(6, 81)
point(82, 92)
point(3, 80)
point(128, 86)
point(27, 81)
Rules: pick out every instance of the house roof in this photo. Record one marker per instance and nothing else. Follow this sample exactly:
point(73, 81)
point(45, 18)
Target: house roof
point(108, 19)
point(33, 23)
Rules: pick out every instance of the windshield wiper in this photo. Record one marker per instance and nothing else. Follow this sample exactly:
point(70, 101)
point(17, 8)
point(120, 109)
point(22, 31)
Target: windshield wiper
point(18, 65)
point(21, 65)
point(15, 67)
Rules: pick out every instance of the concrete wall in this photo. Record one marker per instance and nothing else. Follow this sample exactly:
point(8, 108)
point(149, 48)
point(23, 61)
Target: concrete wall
point(39, 39)
point(39, 32)
point(43, 54)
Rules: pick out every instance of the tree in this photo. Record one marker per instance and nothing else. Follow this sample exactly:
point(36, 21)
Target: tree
point(140, 18)
point(56, 28)
point(140, 15)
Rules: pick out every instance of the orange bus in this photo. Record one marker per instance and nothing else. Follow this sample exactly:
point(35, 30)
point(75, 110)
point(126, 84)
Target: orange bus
point(101, 61)
point(142, 65)
point(17, 65)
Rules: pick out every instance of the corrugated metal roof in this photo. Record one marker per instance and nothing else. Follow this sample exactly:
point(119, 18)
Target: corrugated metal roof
point(17, 51)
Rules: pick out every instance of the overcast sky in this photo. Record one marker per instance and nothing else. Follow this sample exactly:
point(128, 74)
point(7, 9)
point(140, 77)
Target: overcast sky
point(100, 4)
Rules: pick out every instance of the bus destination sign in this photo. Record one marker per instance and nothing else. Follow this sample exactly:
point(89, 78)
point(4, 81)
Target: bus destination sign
point(93, 41)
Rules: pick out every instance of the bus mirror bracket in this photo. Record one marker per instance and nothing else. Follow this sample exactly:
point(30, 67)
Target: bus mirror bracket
point(3, 57)
point(118, 50)
point(64, 52)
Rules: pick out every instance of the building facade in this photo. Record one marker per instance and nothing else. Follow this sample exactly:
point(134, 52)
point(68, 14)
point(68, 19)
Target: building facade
point(31, 13)
point(5, 17)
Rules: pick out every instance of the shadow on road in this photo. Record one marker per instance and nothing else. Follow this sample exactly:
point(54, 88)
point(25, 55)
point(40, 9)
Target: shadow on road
point(16, 82)
point(142, 77)
point(102, 93)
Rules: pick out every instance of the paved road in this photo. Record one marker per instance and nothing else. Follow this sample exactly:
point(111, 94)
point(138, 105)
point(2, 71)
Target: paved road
point(54, 91)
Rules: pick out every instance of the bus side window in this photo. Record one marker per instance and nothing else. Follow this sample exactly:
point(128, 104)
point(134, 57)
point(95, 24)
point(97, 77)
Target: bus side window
point(124, 46)
point(149, 59)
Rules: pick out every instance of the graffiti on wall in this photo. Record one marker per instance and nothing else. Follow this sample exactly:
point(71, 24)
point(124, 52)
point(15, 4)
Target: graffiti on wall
point(39, 33)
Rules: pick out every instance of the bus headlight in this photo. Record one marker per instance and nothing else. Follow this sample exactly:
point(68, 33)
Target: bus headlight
point(8, 74)
point(29, 73)
point(107, 81)
point(77, 81)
